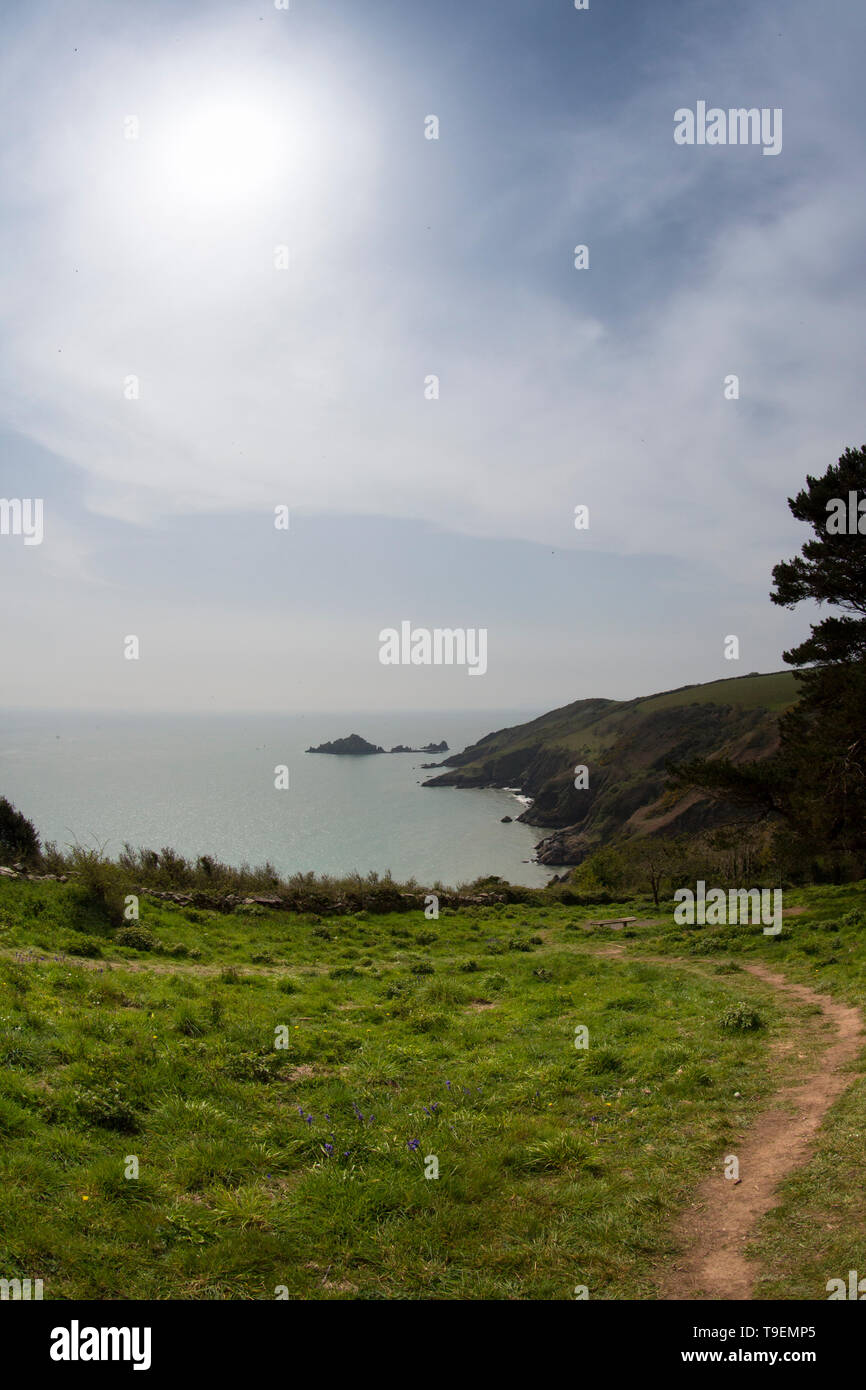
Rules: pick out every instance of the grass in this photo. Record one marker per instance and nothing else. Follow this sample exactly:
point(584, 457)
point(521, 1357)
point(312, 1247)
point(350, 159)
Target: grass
point(302, 1167)
point(774, 691)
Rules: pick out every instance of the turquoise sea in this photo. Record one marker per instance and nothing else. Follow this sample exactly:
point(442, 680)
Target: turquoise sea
point(204, 784)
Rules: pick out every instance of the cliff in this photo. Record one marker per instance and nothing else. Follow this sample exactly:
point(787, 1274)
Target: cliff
point(625, 746)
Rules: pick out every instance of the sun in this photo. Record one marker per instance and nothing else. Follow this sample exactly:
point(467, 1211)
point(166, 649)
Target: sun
point(225, 151)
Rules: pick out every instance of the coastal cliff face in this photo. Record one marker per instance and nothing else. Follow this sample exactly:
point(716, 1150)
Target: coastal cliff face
point(625, 746)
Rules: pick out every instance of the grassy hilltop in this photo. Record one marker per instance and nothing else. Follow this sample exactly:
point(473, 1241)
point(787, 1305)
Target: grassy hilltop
point(626, 745)
point(303, 1167)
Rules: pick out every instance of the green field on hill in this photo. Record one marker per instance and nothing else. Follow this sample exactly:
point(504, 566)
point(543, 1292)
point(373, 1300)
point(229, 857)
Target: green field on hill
point(775, 691)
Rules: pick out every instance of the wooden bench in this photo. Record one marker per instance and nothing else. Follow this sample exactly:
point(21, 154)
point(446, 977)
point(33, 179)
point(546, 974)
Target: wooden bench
point(614, 922)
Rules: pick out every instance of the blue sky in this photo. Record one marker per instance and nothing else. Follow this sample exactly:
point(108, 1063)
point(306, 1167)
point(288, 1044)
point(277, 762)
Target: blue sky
point(259, 128)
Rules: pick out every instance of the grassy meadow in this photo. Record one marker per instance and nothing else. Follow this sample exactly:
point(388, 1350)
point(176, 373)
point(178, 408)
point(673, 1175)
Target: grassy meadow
point(301, 1170)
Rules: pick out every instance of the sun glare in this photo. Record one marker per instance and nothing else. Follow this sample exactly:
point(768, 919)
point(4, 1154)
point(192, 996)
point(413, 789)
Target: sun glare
point(223, 152)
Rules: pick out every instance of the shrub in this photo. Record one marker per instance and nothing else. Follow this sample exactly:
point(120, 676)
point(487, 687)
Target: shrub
point(495, 984)
point(423, 967)
point(252, 1066)
point(100, 882)
point(106, 1107)
point(442, 991)
point(18, 835)
point(86, 947)
point(741, 1018)
point(137, 937)
point(427, 1021)
point(398, 989)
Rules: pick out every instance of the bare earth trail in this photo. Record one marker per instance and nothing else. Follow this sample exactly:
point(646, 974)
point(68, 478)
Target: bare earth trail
point(716, 1227)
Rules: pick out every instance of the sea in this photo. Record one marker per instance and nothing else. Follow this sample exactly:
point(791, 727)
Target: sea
point(205, 784)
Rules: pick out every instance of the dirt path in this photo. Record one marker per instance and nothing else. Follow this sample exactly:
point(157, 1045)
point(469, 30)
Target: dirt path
point(715, 1228)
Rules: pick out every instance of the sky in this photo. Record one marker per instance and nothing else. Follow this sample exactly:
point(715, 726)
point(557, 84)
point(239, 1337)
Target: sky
point(231, 261)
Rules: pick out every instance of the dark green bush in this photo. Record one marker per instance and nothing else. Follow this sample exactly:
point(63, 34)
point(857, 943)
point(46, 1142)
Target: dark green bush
point(137, 937)
point(18, 836)
point(741, 1018)
point(106, 1107)
point(85, 946)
